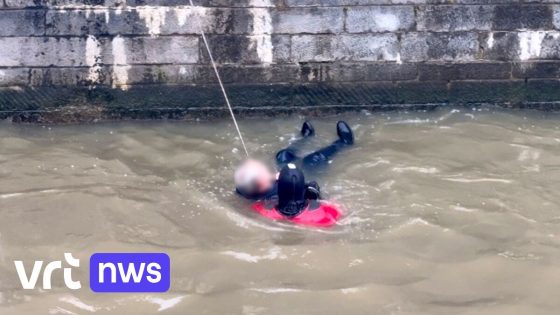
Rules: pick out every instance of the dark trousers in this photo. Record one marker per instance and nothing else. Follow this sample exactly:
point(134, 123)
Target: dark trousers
point(313, 160)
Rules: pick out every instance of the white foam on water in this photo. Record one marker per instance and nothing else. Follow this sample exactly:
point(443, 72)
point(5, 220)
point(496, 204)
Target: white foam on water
point(477, 180)
point(6, 196)
point(463, 209)
point(349, 220)
point(417, 221)
point(527, 153)
point(424, 170)
point(74, 301)
point(164, 304)
point(409, 121)
point(43, 191)
point(276, 290)
point(350, 290)
point(60, 310)
point(272, 254)
point(514, 256)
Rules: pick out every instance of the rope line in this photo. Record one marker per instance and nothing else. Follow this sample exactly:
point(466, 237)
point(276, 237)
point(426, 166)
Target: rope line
point(221, 85)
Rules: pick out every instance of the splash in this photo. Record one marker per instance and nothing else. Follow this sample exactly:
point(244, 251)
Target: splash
point(272, 254)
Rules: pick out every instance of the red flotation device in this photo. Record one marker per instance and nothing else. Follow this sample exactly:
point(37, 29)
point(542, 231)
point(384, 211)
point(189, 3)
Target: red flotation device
point(317, 213)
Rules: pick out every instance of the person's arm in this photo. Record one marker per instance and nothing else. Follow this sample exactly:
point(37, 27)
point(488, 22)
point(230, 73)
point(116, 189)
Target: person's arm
point(312, 191)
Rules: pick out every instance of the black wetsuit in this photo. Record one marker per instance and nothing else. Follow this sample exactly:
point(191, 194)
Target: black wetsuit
point(290, 191)
point(313, 160)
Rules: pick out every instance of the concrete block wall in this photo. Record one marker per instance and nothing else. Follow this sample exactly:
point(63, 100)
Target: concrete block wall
point(395, 52)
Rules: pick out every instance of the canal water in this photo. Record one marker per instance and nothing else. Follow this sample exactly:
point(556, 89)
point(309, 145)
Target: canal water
point(451, 211)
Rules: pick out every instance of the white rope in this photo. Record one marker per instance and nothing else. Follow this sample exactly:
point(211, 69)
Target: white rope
point(222, 86)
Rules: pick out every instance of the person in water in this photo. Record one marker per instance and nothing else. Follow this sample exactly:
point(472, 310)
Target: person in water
point(286, 195)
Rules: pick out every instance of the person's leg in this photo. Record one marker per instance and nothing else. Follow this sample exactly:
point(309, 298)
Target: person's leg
point(324, 155)
point(290, 154)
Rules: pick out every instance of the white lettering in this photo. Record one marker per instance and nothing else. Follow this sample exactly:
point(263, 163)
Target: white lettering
point(131, 272)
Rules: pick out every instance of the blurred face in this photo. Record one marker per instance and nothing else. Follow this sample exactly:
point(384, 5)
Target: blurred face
point(253, 177)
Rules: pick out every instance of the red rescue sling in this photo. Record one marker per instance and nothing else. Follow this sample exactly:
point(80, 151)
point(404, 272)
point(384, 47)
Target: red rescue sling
point(320, 214)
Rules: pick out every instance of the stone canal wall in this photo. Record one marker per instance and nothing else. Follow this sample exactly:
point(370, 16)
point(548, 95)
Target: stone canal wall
point(73, 60)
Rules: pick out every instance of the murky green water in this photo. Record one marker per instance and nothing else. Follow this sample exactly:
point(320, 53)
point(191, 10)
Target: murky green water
point(446, 212)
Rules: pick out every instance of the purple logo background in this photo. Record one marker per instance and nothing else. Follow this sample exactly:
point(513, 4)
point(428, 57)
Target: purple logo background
point(144, 285)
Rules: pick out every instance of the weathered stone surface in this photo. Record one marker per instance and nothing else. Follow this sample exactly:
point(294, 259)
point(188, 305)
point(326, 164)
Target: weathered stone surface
point(149, 21)
point(556, 16)
point(93, 22)
point(161, 74)
point(450, 18)
point(525, 45)
point(228, 49)
point(277, 53)
point(530, 70)
point(305, 3)
point(60, 3)
point(22, 22)
point(422, 92)
point(37, 51)
point(56, 76)
point(380, 19)
point(307, 48)
point(156, 50)
point(543, 90)
point(358, 74)
point(369, 47)
point(550, 46)
point(391, 72)
point(460, 71)
point(248, 74)
point(439, 46)
point(281, 48)
point(138, 74)
point(308, 20)
point(206, 3)
point(502, 46)
point(518, 16)
point(13, 77)
point(469, 92)
point(371, 72)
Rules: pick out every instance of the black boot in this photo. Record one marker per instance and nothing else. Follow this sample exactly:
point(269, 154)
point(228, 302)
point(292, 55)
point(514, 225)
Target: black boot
point(344, 133)
point(307, 129)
